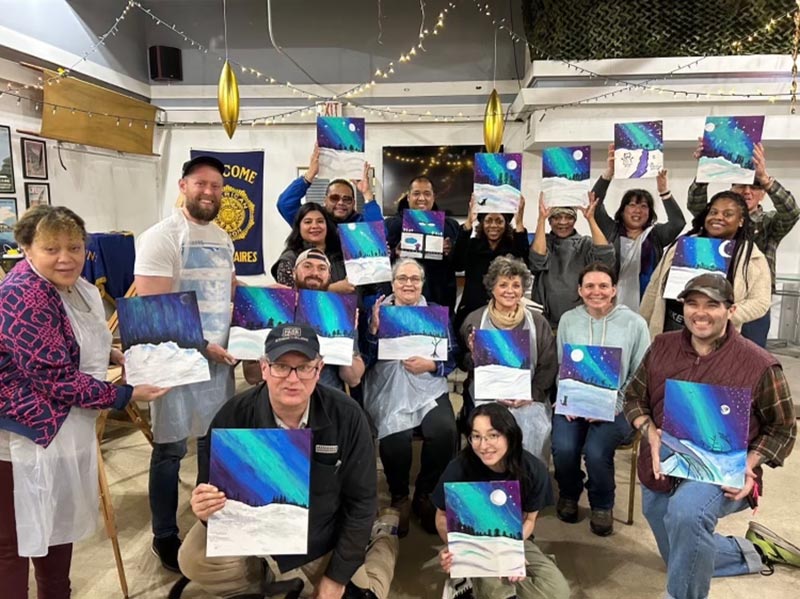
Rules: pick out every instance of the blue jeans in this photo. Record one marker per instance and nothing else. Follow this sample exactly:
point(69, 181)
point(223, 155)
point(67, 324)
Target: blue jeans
point(597, 441)
point(165, 465)
point(683, 524)
point(757, 330)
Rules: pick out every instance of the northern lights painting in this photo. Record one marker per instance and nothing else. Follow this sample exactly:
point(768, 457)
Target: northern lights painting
point(264, 474)
point(502, 360)
point(706, 429)
point(413, 331)
point(695, 256)
point(588, 381)
point(498, 180)
point(565, 175)
point(638, 149)
point(162, 329)
point(333, 317)
point(484, 529)
point(423, 234)
point(728, 143)
point(256, 310)
point(366, 256)
point(341, 147)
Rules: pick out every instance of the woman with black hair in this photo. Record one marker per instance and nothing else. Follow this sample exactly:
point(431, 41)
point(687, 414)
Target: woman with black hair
point(495, 453)
point(725, 217)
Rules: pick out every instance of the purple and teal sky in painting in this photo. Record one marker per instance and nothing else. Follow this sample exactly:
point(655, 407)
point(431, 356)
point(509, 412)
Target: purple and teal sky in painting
point(592, 364)
point(156, 319)
point(340, 133)
point(510, 348)
point(733, 138)
point(363, 240)
point(424, 222)
point(646, 135)
point(329, 314)
point(567, 162)
point(498, 169)
point(703, 252)
point(257, 308)
point(489, 508)
point(402, 321)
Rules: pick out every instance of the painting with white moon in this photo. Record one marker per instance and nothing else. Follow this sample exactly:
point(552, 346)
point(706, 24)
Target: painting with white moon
point(695, 256)
point(588, 381)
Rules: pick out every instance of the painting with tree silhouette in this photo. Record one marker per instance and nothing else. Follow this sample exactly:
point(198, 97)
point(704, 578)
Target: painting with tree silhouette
point(638, 149)
point(588, 381)
point(695, 256)
point(333, 317)
point(728, 143)
point(705, 429)
point(341, 147)
point(498, 181)
point(256, 310)
point(423, 234)
point(565, 175)
point(484, 529)
point(412, 331)
point(162, 330)
point(366, 255)
point(265, 475)
point(502, 360)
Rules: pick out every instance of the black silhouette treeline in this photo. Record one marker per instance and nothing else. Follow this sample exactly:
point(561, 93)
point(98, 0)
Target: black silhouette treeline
point(249, 499)
point(457, 525)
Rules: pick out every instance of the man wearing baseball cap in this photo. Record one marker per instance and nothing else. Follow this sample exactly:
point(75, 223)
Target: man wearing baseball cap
point(343, 482)
point(683, 513)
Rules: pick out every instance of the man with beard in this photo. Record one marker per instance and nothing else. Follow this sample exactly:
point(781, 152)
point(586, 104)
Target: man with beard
point(188, 252)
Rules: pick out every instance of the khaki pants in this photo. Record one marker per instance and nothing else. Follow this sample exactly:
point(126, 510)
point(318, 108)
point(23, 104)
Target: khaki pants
point(231, 576)
point(544, 580)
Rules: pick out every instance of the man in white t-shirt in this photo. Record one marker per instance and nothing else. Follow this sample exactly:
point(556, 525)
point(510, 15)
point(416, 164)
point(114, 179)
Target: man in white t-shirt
point(188, 252)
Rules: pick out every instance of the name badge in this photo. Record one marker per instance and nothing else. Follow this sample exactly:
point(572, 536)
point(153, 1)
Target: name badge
point(327, 449)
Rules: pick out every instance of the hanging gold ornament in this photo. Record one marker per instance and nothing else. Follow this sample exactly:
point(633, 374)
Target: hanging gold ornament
point(228, 99)
point(493, 124)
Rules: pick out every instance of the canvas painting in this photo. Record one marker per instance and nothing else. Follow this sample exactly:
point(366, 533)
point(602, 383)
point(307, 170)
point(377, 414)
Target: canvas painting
point(341, 147)
point(256, 310)
point(162, 336)
point(695, 256)
point(638, 149)
point(502, 360)
point(333, 317)
point(498, 181)
point(265, 475)
point(706, 429)
point(484, 529)
point(8, 218)
point(588, 381)
point(728, 143)
point(423, 234)
point(412, 331)
point(565, 176)
point(366, 255)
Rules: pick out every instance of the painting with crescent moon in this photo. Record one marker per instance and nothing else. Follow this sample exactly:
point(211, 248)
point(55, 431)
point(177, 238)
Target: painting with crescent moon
point(728, 143)
point(265, 476)
point(256, 310)
point(484, 529)
point(502, 360)
point(413, 331)
point(162, 329)
point(341, 147)
point(695, 256)
point(565, 176)
point(589, 381)
point(498, 181)
point(366, 255)
point(423, 234)
point(705, 429)
point(638, 149)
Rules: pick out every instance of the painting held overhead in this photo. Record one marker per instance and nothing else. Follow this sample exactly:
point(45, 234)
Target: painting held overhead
point(565, 176)
point(256, 310)
point(341, 147)
point(589, 381)
point(695, 256)
point(498, 180)
point(638, 149)
point(502, 360)
point(366, 255)
point(728, 143)
point(413, 331)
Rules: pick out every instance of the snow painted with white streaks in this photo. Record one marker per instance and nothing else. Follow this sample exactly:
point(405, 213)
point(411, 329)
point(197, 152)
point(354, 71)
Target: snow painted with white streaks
point(363, 271)
point(164, 365)
point(245, 344)
point(494, 381)
point(242, 530)
point(336, 351)
point(720, 170)
point(585, 401)
point(565, 192)
point(479, 557)
point(499, 198)
point(340, 164)
point(410, 346)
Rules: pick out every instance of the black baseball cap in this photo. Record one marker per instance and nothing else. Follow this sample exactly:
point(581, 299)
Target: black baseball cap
point(290, 337)
point(192, 164)
point(714, 286)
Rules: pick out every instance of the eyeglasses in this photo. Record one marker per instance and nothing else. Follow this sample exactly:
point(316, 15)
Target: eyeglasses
point(336, 198)
point(304, 371)
point(403, 279)
point(491, 438)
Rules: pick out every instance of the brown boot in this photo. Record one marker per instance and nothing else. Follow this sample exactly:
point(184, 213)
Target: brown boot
point(403, 506)
point(602, 522)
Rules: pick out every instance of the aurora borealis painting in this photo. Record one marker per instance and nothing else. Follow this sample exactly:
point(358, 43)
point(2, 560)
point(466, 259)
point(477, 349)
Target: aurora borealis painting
point(706, 429)
point(728, 143)
point(412, 331)
point(497, 182)
point(341, 147)
point(366, 256)
point(423, 234)
point(333, 317)
point(588, 381)
point(264, 474)
point(256, 310)
point(502, 360)
point(695, 256)
point(638, 149)
point(565, 175)
point(484, 528)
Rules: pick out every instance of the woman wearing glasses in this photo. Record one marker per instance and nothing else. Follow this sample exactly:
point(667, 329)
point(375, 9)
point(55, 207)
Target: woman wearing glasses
point(495, 453)
point(403, 395)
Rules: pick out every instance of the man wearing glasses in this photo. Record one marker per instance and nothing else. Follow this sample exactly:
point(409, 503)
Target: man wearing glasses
point(343, 483)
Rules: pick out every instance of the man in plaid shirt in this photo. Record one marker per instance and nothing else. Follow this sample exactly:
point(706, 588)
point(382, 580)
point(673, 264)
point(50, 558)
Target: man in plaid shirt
point(683, 512)
point(769, 227)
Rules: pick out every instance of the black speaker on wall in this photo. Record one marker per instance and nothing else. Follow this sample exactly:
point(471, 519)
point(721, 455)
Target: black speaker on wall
point(165, 64)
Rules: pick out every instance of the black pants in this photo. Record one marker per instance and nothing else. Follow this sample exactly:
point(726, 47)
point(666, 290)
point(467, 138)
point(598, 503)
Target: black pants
point(439, 438)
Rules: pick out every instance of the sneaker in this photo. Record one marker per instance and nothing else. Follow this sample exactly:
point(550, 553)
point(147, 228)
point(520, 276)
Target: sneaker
point(773, 548)
point(387, 523)
point(602, 522)
point(403, 507)
point(166, 550)
point(567, 510)
point(426, 512)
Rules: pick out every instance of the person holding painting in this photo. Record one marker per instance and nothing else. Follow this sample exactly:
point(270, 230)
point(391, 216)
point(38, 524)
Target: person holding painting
point(494, 452)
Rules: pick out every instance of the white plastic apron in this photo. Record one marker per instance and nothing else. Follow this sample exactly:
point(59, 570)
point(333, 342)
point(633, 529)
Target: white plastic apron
point(55, 488)
point(630, 267)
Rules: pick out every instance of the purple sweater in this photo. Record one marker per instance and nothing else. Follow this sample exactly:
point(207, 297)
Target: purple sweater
point(40, 378)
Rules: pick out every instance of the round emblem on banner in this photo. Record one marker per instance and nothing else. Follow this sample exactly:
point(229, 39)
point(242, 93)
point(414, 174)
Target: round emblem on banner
point(237, 214)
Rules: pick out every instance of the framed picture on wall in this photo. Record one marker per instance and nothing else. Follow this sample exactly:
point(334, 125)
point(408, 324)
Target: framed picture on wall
point(37, 194)
point(34, 158)
point(6, 162)
point(8, 218)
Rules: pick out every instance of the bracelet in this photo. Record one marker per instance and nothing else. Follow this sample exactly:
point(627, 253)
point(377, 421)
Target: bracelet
point(665, 193)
